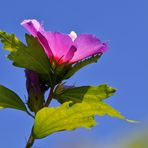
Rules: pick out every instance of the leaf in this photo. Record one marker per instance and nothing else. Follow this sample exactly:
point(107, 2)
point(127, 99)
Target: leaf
point(77, 66)
point(66, 117)
point(9, 99)
point(83, 93)
point(31, 57)
point(10, 42)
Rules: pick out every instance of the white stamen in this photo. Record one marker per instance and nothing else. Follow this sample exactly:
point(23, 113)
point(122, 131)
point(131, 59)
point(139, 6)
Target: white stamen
point(73, 35)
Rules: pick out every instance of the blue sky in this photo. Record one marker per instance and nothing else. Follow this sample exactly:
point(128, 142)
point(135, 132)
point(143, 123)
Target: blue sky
point(124, 23)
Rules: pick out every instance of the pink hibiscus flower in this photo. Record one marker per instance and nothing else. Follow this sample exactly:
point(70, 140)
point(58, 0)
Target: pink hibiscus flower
point(68, 48)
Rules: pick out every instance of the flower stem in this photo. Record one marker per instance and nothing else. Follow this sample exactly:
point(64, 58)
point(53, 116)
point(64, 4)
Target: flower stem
point(51, 94)
point(31, 140)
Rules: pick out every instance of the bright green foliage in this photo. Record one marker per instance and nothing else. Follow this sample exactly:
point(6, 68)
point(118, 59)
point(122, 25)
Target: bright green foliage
point(79, 104)
point(77, 66)
point(83, 93)
point(10, 42)
point(9, 99)
point(67, 117)
point(31, 57)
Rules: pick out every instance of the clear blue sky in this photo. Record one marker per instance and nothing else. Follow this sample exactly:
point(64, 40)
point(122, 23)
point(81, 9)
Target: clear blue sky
point(124, 66)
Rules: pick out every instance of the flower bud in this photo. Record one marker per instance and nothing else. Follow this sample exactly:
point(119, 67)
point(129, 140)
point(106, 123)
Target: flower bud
point(36, 90)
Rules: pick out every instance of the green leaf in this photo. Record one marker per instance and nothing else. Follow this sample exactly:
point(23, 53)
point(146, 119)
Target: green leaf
point(83, 93)
point(31, 57)
point(66, 117)
point(77, 66)
point(9, 99)
point(10, 42)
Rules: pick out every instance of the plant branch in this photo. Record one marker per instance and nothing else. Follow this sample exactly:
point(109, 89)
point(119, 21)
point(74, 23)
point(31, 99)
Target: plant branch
point(51, 94)
point(30, 140)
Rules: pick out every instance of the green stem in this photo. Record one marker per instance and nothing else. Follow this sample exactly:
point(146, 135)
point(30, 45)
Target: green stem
point(31, 140)
point(51, 94)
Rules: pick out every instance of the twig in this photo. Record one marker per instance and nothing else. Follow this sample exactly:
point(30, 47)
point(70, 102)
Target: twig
point(51, 94)
point(30, 140)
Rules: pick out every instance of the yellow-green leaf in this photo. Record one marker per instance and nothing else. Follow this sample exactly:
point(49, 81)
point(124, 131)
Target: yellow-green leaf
point(10, 42)
point(66, 117)
point(87, 93)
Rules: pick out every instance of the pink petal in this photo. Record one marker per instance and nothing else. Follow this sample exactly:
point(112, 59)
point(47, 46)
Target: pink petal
point(43, 41)
point(87, 45)
point(37, 30)
point(60, 45)
point(33, 26)
point(70, 54)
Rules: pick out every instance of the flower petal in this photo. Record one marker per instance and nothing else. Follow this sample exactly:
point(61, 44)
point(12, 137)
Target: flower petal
point(60, 44)
point(43, 41)
point(73, 35)
point(87, 45)
point(33, 26)
point(70, 54)
point(37, 30)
